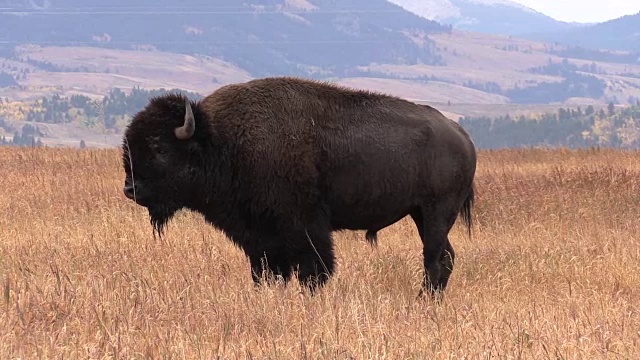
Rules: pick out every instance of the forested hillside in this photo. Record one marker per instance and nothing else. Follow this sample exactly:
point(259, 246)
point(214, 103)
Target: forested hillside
point(317, 38)
point(567, 127)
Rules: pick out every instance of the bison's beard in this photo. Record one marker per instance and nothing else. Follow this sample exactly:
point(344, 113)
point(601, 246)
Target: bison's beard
point(160, 216)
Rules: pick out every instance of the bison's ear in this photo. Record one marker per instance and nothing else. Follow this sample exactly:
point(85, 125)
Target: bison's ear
point(185, 132)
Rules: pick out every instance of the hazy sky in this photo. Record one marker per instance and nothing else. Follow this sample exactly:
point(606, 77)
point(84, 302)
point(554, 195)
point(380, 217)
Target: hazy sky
point(583, 10)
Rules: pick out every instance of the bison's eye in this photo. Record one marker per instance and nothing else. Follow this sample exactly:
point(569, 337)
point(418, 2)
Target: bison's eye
point(158, 149)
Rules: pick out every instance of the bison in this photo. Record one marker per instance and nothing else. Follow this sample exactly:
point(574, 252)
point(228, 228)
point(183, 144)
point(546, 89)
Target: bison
point(280, 163)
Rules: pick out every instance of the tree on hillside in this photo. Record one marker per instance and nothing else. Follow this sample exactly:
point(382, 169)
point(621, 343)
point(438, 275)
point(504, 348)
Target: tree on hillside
point(571, 128)
point(628, 133)
point(7, 80)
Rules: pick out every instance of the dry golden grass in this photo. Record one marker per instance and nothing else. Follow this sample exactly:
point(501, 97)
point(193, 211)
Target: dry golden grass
point(552, 271)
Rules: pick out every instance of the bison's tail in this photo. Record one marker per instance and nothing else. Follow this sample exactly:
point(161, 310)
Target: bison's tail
point(467, 207)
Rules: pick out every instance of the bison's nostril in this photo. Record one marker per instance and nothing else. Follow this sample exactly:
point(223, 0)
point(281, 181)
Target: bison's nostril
point(129, 191)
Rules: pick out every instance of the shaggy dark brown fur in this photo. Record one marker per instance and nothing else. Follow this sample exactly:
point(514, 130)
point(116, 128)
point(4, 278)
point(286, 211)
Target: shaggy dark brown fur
point(278, 164)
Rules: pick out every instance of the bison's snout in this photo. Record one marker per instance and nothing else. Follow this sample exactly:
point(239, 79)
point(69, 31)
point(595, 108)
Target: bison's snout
point(129, 191)
point(134, 191)
point(137, 192)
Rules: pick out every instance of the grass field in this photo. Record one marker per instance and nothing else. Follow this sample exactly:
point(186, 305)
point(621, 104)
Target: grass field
point(552, 272)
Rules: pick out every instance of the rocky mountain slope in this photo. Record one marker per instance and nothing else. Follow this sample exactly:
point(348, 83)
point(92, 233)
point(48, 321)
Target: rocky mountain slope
point(486, 16)
point(618, 34)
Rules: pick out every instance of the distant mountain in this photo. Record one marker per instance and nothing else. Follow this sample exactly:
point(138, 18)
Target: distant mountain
point(264, 37)
point(486, 16)
point(618, 34)
point(85, 47)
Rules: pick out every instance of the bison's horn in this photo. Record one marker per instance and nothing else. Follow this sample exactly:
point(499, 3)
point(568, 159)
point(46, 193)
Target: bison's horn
point(185, 131)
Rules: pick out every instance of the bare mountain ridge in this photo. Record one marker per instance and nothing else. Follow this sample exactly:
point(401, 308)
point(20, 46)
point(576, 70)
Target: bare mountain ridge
point(486, 16)
point(507, 17)
point(618, 34)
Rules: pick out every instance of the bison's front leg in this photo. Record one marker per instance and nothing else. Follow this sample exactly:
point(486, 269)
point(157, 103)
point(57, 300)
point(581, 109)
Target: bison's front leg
point(270, 263)
point(313, 258)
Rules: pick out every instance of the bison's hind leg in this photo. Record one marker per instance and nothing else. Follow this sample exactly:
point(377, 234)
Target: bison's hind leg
point(434, 224)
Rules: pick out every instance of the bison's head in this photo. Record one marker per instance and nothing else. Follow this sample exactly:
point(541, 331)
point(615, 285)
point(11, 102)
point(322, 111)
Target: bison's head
point(163, 157)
